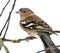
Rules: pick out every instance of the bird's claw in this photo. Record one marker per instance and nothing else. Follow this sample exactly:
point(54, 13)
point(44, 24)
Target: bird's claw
point(30, 38)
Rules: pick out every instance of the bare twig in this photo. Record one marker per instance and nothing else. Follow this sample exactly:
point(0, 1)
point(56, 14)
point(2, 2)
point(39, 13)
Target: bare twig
point(19, 40)
point(4, 8)
point(9, 18)
point(49, 48)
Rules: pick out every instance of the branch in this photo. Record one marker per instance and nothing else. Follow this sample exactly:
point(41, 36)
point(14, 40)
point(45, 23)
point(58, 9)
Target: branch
point(54, 47)
point(4, 8)
point(19, 40)
point(9, 18)
point(1, 15)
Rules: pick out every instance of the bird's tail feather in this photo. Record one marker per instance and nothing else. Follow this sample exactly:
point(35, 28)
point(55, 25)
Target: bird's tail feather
point(55, 32)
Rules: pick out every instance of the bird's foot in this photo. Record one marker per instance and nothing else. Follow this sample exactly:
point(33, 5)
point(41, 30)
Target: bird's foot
point(30, 38)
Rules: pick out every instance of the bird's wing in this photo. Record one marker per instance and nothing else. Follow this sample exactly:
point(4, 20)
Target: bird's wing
point(35, 23)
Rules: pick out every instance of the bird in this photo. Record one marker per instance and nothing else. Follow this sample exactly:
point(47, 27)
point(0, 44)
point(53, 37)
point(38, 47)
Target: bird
point(36, 26)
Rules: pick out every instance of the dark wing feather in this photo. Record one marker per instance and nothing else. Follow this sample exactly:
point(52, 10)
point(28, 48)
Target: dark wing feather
point(36, 23)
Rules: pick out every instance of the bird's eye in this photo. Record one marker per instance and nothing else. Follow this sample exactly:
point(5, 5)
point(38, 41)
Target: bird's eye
point(24, 11)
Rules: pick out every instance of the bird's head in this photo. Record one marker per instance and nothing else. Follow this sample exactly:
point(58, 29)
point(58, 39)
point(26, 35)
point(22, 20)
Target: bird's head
point(25, 12)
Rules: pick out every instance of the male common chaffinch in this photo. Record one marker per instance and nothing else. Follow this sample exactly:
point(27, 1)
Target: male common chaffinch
point(35, 26)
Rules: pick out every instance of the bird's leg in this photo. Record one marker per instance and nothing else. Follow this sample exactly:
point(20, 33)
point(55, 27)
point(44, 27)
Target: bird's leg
point(30, 38)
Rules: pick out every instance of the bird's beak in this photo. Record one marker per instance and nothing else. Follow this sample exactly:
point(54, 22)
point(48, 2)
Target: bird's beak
point(17, 12)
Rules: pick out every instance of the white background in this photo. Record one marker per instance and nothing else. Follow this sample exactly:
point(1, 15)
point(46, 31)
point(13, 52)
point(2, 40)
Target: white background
point(48, 10)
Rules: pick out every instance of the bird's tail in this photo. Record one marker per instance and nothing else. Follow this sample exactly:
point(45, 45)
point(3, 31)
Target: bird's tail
point(55, 32)
point(48, 43)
